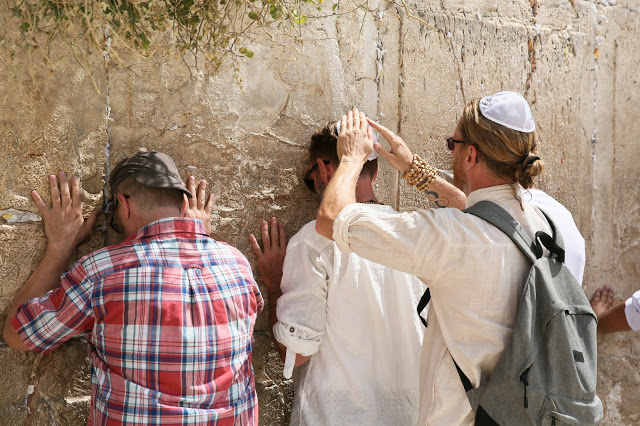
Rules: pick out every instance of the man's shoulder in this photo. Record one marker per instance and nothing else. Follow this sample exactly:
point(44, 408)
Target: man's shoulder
point(107, 258)
point(226, 250)
point(541, 198)
point(308, 235)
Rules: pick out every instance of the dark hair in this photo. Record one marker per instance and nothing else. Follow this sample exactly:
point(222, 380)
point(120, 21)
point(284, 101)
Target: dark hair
point(324, 145)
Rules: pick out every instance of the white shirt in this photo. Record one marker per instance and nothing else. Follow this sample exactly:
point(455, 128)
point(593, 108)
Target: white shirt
point(358, 321)
point(574, 257)
point(632, 311)
point(476, 275)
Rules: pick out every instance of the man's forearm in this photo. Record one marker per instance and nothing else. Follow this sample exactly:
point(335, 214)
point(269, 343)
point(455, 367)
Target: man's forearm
point(443, 194)
point(273, 319)
point(46, 277)
point(340, 193)
point(614, 319)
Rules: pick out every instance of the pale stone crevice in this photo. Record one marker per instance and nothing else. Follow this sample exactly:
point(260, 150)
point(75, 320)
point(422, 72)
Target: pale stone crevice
point(107, 149)
point(401, 35)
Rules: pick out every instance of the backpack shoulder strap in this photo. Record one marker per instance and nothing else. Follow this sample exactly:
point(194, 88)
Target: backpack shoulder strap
point(554, 243)
point(497, 216)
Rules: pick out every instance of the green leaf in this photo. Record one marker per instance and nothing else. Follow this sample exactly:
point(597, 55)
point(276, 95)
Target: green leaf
point(334, 7)
point(144, 40)
point(253, 15)
point(25, 26)
point(301, 20)
point(246, 52)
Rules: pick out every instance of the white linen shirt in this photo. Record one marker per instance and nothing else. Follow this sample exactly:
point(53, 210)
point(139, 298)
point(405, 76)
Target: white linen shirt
point(574, 257)
point(632, 311)
point(476, 275)
point(358, 321)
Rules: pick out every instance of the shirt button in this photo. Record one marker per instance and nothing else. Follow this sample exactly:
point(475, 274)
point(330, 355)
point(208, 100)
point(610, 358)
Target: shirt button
point(292, 329)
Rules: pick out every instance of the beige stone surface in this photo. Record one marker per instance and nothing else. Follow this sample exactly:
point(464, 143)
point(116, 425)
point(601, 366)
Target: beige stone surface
point(47, 389)
point(575, 61)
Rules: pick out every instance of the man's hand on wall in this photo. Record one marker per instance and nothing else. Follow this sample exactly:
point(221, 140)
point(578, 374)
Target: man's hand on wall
point(400, 156)
point(198, 207)
point(64, 225)
point(270, 260)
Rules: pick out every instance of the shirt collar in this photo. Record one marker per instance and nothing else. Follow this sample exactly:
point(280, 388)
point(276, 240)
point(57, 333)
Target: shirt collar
point(170, 225)
point(499, 193)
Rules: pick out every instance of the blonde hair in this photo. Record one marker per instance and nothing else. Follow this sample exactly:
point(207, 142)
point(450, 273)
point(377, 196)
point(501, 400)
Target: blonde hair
point(507, 153)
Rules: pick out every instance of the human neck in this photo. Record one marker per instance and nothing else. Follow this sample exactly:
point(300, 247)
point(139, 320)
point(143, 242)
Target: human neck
point(152, 216)
point(483, 179)
point(364, 191)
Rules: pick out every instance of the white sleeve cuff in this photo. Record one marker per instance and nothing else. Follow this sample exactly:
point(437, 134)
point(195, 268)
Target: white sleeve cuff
point(298, 340)
point(341, 228)
point(289, 363)
point(632, 311)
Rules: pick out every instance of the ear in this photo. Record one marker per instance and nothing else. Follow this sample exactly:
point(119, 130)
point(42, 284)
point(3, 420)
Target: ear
point(326, 171)
point(126, 206)
point(185, 205)
point(472, 156)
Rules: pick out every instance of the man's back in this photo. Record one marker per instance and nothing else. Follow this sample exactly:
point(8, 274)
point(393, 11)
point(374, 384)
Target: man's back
point(172, 314)
point(475, 274)
point(573, 240)
point(359, 318)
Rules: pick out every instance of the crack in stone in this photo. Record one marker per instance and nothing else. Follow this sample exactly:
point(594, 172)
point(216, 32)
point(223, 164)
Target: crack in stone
point(400, 97)
point(594, 137)
point(107, 58)
point(532, 48)
point(38, 369)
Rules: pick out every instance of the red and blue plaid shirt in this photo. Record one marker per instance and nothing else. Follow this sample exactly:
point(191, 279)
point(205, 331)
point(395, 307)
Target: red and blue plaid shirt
point(171, 315)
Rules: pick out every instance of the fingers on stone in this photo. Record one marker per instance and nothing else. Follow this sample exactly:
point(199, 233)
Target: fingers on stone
point(265, 235)
point(55, 192)
point(255, 246)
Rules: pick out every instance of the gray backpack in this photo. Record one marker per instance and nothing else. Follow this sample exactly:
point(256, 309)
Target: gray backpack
point(548, 371)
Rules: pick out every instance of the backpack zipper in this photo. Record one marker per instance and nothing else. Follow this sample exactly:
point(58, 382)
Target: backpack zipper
point(523, 379)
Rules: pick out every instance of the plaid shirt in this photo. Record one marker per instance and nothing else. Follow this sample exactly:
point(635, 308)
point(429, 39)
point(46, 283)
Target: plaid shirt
point(171, 314)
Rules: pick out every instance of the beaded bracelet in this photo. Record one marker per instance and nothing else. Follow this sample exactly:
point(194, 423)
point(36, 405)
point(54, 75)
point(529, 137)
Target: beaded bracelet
point(420, 174)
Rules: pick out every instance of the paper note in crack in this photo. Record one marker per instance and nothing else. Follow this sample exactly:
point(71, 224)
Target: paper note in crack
point(15, 216)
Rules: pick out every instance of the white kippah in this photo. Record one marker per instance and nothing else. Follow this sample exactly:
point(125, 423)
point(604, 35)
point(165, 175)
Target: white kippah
point(373, 154)
point(509, 109)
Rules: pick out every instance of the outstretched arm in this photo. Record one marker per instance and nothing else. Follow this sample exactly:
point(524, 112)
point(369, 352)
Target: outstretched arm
point(610, 314)
point(65, 228)
point(440, 192)
point(270, 263)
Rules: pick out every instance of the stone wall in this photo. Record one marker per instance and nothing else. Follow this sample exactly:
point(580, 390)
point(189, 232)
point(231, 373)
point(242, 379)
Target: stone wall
point(576, 62)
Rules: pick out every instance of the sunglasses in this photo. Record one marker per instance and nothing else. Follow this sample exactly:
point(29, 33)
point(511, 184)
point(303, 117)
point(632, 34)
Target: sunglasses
point(307, 177)
point(451, 143)
point(110, 208)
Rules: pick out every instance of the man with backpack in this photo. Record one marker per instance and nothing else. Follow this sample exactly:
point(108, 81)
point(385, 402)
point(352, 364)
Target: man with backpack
point(495, 324)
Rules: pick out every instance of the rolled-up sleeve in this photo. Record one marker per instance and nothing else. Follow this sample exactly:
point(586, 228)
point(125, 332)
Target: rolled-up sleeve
point(632, 311)
point(414, 242)
point(301, 309)
point(46, 322)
